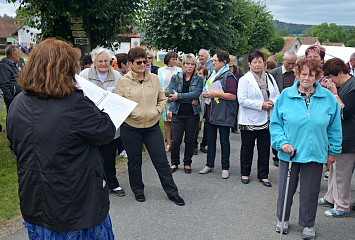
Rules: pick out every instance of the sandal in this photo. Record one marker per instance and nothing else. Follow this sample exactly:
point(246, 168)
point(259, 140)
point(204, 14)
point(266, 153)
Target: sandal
point(167, 148)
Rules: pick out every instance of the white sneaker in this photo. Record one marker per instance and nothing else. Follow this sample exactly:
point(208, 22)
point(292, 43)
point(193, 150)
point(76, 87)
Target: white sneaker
point(225, 174)
point(309, 233)
point(284, 229)
point(123, 154)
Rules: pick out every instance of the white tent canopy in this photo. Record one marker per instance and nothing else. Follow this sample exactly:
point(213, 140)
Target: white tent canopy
point(331, 52)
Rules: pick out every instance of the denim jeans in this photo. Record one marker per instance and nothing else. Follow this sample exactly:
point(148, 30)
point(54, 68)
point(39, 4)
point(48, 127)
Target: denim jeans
point(224, 141)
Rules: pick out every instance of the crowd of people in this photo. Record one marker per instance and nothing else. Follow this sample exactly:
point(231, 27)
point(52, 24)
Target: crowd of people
point(66, 147)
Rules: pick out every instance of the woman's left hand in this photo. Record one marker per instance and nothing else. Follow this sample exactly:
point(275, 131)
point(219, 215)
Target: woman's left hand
point(331, 160)
point(194, 102)
point(331, 87)
point(174, 96)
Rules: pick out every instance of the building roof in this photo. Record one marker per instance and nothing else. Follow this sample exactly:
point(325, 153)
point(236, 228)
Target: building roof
point(8, 25)
point(333, 44)
point(288, 43)
point(309, 40)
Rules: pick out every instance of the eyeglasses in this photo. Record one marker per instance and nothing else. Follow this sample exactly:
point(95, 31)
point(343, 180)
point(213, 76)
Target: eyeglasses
point(140, 62)
point(150, 57)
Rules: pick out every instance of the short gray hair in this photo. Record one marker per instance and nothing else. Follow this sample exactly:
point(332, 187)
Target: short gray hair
point(207, 53)
point(98, 50)
point(10, 49)
point(352, 56)
point(290, 54)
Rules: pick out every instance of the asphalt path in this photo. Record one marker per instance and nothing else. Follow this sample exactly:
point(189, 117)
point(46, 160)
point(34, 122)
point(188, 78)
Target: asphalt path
point(215, 208)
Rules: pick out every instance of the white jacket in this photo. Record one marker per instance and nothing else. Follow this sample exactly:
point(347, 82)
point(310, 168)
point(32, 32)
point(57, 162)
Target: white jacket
point(251, 99)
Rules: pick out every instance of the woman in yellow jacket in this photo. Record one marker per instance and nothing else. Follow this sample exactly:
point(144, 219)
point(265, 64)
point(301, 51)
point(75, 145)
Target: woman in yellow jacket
point(142, 125)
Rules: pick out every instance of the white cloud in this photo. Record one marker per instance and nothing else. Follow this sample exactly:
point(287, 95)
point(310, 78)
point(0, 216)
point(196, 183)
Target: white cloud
point(8, 8)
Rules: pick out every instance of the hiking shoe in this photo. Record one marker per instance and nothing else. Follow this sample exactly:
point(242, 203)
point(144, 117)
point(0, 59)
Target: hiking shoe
point(284, 229)
point(206, 170)
point(309, 233)
point(119, 192)
point(326, 175)
point(336, 213)
point(324, 203)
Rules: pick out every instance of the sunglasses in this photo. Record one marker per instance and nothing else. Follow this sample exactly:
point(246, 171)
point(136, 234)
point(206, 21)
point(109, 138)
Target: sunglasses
point(140, 62)
point(149, 57)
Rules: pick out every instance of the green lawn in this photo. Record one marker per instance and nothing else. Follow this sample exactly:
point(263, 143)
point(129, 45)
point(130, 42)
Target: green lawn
point(9, 202)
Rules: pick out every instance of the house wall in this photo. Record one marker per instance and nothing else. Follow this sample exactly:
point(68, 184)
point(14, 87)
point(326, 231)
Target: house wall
point(27, 35)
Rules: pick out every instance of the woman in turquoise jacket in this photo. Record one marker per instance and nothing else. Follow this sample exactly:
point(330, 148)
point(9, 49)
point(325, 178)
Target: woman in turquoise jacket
point(306, 117)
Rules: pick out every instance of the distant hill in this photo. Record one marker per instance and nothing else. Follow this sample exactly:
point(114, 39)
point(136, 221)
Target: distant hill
point(296, 29)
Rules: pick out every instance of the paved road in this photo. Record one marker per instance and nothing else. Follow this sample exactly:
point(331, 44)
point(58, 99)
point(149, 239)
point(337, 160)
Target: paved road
point(215, 208)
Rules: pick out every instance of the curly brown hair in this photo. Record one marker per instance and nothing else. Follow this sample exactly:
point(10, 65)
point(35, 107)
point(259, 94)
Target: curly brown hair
point(50, 70)
point(313, 65)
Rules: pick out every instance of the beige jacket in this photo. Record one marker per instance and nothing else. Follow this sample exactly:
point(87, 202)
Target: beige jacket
point(149, 95)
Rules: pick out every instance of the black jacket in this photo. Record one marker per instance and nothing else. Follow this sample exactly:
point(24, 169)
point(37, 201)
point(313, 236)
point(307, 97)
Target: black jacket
point(8, 84)
point(59, 166)
point(154, 70)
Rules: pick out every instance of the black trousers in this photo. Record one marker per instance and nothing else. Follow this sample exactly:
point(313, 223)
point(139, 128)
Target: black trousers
point(247, 150)
point(108, 152)
point(152, 137)
point(181, 124)
point(204, 137)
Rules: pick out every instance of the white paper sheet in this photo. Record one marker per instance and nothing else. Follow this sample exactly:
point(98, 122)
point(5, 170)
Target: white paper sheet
point(117, 107)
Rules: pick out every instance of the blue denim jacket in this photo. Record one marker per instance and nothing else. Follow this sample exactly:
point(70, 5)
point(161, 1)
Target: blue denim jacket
point(195, 89)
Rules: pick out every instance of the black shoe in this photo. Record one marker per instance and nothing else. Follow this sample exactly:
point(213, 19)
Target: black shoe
point(195, 151)
point(140, 197)
point(276, 163)
point(245, 181)
point(177, 200)
point(174, 169)
point(187, 170)
point(203, 149)
point(120, 193)
point(266, 184)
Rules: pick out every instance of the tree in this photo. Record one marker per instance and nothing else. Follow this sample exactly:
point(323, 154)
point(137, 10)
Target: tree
point(283, 33)
point(350, 37)
point(276, 44)
point(187, 26)
point(325, 32)
point(102, 19)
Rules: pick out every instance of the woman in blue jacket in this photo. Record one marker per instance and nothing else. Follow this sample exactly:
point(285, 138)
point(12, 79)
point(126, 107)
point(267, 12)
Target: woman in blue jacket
point(185, 89)
point(306, 117)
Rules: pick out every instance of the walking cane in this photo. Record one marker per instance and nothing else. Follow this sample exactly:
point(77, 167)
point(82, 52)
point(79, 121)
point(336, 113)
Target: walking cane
point(286, 192)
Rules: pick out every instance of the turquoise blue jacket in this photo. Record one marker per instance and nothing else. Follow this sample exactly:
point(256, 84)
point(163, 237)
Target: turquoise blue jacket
point(315, 132)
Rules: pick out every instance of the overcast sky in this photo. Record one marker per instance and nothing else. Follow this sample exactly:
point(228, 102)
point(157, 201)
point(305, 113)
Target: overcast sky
point(312, 12)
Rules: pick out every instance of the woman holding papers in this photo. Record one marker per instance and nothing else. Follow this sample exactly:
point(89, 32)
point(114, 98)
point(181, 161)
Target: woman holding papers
point(257, 93)
point(102, 75)
point(142, 125)
point(185, 89)
point(56, 131)
point(221, 110)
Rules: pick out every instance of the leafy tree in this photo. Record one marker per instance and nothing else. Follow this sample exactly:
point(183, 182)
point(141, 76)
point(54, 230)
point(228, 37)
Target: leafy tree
point(276, 44)
point(283, 33)
point(102, 19)
point(187, 26)
point(325, 32)
point(350, 37)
